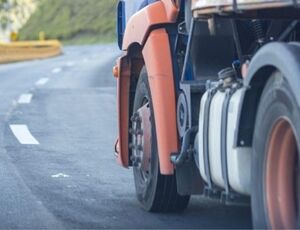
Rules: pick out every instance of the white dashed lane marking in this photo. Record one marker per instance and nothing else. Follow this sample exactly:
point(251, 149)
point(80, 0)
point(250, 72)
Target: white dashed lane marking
point(70, 64)
point(25, 98)
point(56, 70)
point(23, 135)
point(60, 175)
point(42, 81)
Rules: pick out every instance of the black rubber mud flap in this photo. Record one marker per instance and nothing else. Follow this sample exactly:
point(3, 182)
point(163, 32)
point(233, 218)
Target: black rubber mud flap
point(188, 179)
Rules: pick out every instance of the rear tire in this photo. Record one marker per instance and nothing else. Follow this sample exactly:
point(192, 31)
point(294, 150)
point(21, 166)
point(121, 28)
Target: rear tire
point(156, 193)
point(275, 158)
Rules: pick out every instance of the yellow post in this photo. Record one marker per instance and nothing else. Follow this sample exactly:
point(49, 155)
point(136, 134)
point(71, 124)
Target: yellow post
point(42, 36)
point(14, 36)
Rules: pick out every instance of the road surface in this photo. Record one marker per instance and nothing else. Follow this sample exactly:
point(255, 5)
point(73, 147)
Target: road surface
point(57, 168)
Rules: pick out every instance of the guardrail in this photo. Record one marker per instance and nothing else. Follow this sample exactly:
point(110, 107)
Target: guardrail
point(29, 50)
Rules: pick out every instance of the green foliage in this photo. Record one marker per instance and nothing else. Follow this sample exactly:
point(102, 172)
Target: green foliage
point(5, 7)
point(73, 20)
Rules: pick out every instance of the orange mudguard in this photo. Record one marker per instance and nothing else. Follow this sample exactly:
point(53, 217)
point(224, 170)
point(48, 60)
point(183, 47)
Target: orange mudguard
point(158, 61)
point(139, 25)
point(122, 72)
point(157, 56)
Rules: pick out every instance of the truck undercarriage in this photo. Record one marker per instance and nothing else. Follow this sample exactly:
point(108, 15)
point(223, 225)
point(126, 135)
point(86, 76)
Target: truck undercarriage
point(235, 68)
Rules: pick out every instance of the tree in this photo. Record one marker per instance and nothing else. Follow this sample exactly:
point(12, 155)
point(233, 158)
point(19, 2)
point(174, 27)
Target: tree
point(13, 15)
point(5, 8)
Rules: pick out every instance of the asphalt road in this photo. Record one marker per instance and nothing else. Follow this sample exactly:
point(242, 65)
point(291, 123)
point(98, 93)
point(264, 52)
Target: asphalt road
point(57, 168)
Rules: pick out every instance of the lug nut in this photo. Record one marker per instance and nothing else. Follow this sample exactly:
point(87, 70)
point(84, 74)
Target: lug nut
point(139, 132)
point(135, 164)
point(139, 147)
point(135, 117)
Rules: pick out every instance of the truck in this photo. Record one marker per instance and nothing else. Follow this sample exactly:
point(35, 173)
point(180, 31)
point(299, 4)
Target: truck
point(209, 104)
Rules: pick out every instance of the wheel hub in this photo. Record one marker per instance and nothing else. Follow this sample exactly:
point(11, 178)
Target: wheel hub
point(282, 176)
point(141, 138)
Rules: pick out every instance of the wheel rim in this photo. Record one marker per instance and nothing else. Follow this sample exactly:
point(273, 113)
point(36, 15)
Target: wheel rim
point(142, 141)
point(282, 177)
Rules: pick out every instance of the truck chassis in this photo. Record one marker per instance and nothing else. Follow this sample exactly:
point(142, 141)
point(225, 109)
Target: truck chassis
point(208, 103)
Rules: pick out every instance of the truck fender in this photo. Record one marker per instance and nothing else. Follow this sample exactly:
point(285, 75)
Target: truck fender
point(158, 62)
point(140, 24)
point(284, 57)
point(122, 71)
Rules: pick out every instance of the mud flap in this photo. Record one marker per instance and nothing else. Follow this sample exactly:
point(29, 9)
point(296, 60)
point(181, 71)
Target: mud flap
point(188, 179)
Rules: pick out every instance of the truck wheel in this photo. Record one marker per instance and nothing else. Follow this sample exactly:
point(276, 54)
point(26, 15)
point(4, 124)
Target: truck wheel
point(155, 192)
point(275, 162)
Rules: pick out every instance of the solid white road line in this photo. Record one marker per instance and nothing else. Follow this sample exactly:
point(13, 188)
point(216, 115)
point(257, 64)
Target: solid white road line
point(42, 81)
point(25, 98)
point(56, 70)
point(23, 135)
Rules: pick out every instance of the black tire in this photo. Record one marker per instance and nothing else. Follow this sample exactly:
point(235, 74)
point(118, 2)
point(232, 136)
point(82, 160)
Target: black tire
point(159, 193)
point(277, 104)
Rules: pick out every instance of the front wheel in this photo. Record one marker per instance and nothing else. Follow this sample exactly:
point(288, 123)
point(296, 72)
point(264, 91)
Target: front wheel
point(155, 192)
point(275, 164)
